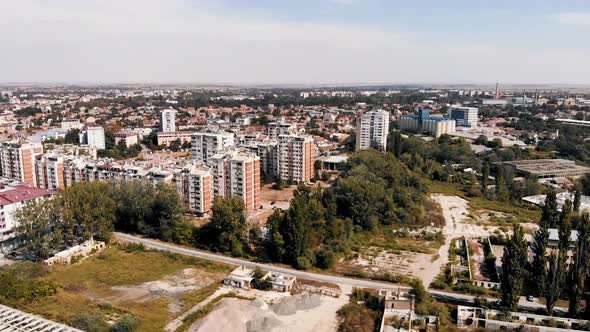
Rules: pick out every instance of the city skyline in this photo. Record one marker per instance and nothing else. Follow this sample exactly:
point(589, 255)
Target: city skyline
point(295, 42)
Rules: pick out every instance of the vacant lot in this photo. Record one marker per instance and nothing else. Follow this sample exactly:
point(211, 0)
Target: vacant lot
point(378, 260)
point(153, 286)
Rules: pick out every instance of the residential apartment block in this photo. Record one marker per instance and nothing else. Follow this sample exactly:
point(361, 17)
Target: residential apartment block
point(206, 144)
point(168, 120)
point(93, 136)
point(296, 158)
point(372, 130)
point(237, 173)
point(194, 183)
point(12, 198)
point(129, 138)
point(17, 161)
point(49, 171)
point(275, 129)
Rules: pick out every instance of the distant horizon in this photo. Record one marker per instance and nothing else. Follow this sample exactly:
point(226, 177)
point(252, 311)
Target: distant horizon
point(298, 85)
point(295, 42)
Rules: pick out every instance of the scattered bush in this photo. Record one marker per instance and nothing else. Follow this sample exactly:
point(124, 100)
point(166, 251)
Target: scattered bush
point(127, 323)
point(22, 283)
point(89, 323)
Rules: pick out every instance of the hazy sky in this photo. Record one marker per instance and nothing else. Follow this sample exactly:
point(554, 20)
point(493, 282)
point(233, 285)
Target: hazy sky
point(295, 41)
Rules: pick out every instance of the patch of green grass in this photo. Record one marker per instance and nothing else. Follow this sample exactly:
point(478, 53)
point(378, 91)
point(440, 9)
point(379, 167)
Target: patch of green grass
point(86, 287)
point(445, 188)
point(520, 213)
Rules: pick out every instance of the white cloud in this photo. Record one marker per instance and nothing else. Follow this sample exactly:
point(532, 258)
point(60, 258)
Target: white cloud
point(574, 18)
point(175, 41)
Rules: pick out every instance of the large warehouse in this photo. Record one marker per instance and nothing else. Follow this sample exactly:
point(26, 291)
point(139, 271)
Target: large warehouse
point(547, 168)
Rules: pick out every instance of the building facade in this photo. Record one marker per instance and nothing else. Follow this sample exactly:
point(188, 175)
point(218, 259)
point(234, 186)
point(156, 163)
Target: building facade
point(12, 198)
point(129, 138)
point(237, 173)
point(17, 161)
point(168, 120)
point(93, 136)
point(465, 116)
point(206, 144)
point(49, 171)
point(372, 130)
point(194, 183)
point(296, 158)
point(275, 129)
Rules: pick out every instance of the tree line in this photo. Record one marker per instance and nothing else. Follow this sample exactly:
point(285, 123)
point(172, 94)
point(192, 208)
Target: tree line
point(92, 210)
point(556, 271)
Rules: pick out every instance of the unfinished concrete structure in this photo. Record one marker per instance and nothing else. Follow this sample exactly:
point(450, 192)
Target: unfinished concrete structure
point(18, 321)
point(75, 253)
point(474, 317)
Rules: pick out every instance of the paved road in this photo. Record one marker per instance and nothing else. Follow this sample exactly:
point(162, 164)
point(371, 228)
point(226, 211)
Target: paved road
point(269, 267)
point(440, 295)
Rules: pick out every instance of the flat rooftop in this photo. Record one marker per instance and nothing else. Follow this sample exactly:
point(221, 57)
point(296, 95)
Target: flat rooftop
point(548, 167)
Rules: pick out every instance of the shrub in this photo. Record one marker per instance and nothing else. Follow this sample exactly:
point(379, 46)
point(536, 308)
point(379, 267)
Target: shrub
point(325, 259)
point(133, 247)
point(303, 263)
point(20, 283)
point(261, 284)
point(89, 323)
point(127, 323)
point(259, 273)
point(105, 306)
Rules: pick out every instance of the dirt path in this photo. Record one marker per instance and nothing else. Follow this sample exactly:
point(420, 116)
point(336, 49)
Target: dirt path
point(454, 211)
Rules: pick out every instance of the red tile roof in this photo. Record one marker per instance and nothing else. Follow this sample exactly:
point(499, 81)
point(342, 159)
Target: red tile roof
point(21, 192)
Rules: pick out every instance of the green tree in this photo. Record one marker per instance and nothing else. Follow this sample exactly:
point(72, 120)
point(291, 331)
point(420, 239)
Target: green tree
point(513, 268)
point(277, 243)
point(89, 210)
point(557, 263)
point(38, 235)
point(577, 201)
point(549, 213)
point(485, 174)
point(539, 264)
point(501, 190)
point(72, 136)
point(579, 270)
point(585, 183)
point(229, 220)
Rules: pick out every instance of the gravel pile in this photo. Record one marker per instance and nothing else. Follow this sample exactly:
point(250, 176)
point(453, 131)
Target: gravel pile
point(290, 305)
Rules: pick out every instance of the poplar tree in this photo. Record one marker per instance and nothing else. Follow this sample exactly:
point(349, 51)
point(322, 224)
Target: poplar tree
point(513, 268)
point(580, 267)
point(549, 212)
point(539, 264)
point(485, 174)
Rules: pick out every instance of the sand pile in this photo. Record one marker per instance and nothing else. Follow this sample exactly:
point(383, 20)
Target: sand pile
point(236, 315)
point(290, 305)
